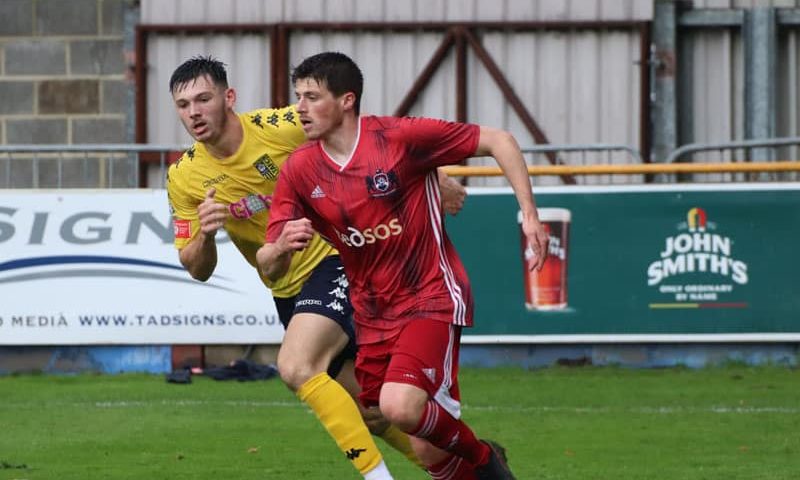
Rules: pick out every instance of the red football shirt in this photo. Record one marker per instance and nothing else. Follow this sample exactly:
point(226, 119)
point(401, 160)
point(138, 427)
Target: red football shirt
point(382, 211)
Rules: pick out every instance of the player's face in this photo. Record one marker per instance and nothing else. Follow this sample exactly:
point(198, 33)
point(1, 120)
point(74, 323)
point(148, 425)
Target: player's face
point(202, 108)
point(320, 111)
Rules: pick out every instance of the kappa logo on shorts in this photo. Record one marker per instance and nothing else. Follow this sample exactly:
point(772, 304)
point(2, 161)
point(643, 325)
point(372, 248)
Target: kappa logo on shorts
point(338, 292)
point(341, 280)
point(335, 305)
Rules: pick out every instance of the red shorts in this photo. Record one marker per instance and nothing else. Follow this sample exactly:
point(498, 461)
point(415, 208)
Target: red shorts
point(424, 354)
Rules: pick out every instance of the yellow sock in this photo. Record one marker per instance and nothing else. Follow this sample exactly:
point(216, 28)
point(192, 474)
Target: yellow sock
point(398, 440)
point(338, 413)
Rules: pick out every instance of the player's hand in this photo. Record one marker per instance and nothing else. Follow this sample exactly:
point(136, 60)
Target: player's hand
point(212, 214)
point(295, 236)
point(453, 194)
point(537, 239)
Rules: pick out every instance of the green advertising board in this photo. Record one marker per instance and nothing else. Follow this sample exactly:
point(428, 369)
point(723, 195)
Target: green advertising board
point(642, 263)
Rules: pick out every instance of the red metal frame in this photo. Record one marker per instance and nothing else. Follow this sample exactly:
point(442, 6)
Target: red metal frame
point(460, 34)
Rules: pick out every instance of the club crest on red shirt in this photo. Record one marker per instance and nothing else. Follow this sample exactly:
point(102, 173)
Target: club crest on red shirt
point(382, 184)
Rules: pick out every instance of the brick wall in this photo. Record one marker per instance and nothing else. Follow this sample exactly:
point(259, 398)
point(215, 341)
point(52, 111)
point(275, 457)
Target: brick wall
point(62, 72)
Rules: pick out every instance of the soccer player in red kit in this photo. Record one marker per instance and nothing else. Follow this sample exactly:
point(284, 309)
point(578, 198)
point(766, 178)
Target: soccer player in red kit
point(368, 185)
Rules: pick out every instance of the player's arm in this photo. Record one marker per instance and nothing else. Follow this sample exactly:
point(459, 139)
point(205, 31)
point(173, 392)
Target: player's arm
point(453, 193)
point(199, 256)
point(273, 259)
point(504, 148)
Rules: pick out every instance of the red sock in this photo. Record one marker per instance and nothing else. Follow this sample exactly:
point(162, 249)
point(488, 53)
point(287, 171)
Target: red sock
point(442, 430)
point(452, 468)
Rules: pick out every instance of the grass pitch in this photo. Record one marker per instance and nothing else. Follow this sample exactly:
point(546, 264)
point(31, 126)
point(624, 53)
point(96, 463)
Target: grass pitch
point(584, 423)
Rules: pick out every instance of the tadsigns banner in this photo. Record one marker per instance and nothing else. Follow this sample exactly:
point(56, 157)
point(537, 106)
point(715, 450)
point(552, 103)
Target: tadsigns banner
point(99, 267)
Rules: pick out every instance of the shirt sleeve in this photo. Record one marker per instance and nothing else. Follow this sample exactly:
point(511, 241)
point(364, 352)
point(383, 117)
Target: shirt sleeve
point(182, 208)
point(436, 142)
point(286, 203)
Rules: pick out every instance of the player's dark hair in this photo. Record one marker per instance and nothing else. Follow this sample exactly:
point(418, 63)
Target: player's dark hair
point(338, 71)
point(197, 67)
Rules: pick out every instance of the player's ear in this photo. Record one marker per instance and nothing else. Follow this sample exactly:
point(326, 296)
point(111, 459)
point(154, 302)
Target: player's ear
point(348, 100)
point(230, 97)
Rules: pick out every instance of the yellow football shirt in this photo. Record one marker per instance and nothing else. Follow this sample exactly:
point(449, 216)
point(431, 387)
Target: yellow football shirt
point(245, 182)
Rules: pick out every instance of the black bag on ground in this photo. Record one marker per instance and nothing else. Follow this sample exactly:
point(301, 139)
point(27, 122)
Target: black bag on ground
point(242, 370)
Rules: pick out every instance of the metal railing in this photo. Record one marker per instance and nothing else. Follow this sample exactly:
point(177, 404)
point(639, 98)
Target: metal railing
point(583, 149)
point(566, 155)
point(758, 150)
point(138, 165)
point(640, 169)
point(740, 151)
point(82, 166)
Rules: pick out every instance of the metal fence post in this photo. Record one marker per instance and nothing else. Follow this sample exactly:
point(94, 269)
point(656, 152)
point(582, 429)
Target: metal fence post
point(760, 39)
point(662, 95)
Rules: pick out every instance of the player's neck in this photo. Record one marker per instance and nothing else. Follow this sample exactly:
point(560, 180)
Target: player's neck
point(340, 142)
point(231, 139)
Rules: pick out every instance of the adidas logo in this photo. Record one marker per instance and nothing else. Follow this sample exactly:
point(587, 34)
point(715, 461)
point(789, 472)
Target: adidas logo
point(317, 193)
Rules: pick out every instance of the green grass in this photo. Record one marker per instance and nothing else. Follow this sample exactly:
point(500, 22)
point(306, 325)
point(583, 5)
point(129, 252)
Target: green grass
point(584, 423)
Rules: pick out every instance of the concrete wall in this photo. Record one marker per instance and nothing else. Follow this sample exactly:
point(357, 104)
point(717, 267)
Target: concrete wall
point(62, 73)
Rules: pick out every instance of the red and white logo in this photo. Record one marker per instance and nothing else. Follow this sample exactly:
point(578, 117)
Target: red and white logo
point(183, 228)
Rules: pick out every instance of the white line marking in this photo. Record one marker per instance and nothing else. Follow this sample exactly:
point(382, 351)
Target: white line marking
point(651, 410)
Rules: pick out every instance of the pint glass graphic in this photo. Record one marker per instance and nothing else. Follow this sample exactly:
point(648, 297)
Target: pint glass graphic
point(547, 289)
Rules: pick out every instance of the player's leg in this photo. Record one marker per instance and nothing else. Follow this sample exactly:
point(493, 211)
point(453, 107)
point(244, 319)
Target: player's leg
point(312, 342)
point(329, 283)
point(371, 367)
point(376, 422)
point(421, 396)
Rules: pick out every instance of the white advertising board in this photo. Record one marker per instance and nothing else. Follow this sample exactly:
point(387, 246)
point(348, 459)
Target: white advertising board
point(82, 267)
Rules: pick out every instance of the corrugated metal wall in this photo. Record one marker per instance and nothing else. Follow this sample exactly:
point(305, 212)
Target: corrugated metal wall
point(581, 86)
point(272, 11)
point(745, 3)
point(712, 98)
point(712, 87)
point(788, 121)
point(714, 103)
point(247, 57)
point(598, 68)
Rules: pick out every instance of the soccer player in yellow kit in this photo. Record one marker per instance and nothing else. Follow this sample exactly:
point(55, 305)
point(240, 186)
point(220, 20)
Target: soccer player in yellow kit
point(225, 180)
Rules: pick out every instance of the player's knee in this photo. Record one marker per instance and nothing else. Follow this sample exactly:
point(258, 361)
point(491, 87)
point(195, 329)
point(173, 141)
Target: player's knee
point(294, 373)
point(402, 413)
point(375, 421)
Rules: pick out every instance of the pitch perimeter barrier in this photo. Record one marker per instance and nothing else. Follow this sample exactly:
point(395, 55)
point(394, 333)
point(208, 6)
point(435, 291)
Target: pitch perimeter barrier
point(128, 165)
point(98, 267)
point(84, 166)
point(628, 263)
point(636, 264)
point(645, 168)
